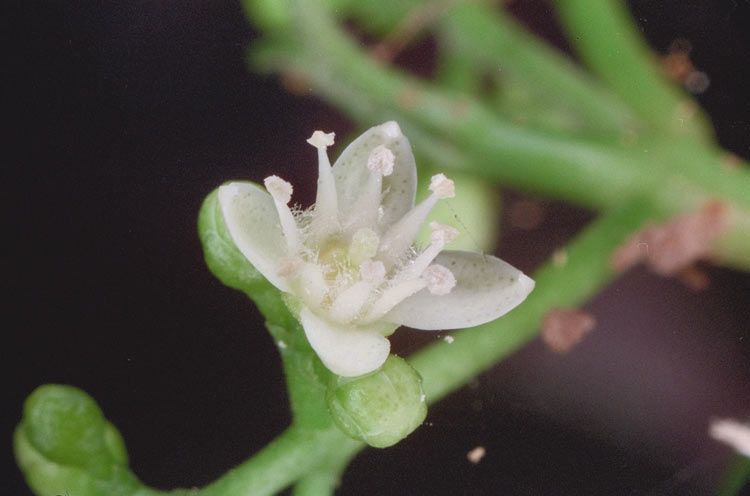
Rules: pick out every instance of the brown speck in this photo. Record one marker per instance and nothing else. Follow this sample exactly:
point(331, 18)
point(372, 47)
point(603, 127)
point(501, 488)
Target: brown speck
point(694, 278)
point(526, 214)
point(475, 456)
point(460, 108)
point(408, 98)
point(563, 328)
point(730, 161)
point(560, 258)
point(295, 83)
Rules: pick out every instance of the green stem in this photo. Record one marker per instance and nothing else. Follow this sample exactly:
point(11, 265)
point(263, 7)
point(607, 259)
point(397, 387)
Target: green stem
point(323, 480)
point(490, 39)
point(735, 477)
point(289, 457)
point(604, 33)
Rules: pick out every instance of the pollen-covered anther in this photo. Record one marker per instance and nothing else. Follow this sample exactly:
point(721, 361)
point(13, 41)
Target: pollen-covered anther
point(381, 161)
point(372, 272)
point(319, 139)
point(442, 233)
point(440, 280)
point(280, 190)
point(442, 187)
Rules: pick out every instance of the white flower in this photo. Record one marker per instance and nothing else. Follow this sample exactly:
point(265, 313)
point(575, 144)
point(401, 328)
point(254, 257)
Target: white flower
point(349, 261)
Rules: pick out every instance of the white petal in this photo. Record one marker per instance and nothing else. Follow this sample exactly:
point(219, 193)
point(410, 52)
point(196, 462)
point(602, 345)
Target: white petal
point(253, 223)
point(486, 288)
point(351, 172)
point(346, 350)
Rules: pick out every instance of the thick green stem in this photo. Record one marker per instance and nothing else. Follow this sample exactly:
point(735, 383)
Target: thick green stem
point(292, 455)
point(604, 33)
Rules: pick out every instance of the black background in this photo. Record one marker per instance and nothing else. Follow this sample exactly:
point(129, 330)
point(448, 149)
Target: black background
point(121, 117)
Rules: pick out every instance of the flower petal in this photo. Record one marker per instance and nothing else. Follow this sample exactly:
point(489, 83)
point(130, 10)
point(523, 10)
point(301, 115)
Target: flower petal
point(346, 350)
point(351, 172)
point(486, 288)
point(253, 223)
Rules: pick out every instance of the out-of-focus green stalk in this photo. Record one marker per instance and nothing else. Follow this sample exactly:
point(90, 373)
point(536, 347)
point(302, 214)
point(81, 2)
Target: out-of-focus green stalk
point(490, 39)
point(676, 175)
point(735, 477)
point(604, 34)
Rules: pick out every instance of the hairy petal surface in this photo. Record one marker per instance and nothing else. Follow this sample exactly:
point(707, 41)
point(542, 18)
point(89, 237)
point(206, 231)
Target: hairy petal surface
point(486, 288)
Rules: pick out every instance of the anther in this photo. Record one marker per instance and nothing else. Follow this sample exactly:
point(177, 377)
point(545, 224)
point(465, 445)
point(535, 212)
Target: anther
point(442, 187)
point(381, 161)
point(319, 139)
point(440, 280)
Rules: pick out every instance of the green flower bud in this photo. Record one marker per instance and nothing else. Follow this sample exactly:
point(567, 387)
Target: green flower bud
point(222, 256)
point(380, 408)
point(64, 443)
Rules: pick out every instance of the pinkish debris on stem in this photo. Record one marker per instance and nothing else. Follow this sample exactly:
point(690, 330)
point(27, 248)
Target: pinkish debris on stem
point(676, 244)
point(564, 328)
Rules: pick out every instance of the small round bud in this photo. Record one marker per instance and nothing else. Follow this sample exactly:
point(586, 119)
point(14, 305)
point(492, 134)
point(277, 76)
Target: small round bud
point(381, 161)
point(380, 408)
point(440, 280)
point(442, 187)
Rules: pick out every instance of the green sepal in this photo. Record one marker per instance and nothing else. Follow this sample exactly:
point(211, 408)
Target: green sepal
point(380, 408)
point(65, 445)
point(223, 258)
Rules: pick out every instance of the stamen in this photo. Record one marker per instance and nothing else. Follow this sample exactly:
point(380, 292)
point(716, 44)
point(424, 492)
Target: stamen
point(442, 187)
point(440, 280)
point(441, 235)
point(281, 192)
point(365, 211)
point(401, 235)
point(325, 213)
point(372, 272)
point(348, 304)
point(392, 297)
point(381, 161)
point(364, 245)
point(319, 139)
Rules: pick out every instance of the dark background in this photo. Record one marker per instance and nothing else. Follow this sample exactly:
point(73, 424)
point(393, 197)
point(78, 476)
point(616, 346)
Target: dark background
point(122, 116)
